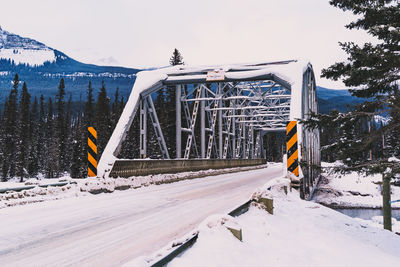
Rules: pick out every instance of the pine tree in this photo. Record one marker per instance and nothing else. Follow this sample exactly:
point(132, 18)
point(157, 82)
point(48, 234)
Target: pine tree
point(41, 139)
point(121, 105)
point(77, 159)
point(23, 133)
point(67, 135)
point(374, 70)
point(9, 130)
point(130, 146)
point(4, 160)
point(89, 107)
point(60, 130)
point(103, 123)
point(176, 58)
point(329, 135)
point(4, 148)
point(51, 162)
point(33, 160)
point(115, 109)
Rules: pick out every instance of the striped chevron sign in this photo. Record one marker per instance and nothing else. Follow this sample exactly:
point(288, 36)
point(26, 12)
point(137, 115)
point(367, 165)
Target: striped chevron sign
point(291, 146)
point(92, 152)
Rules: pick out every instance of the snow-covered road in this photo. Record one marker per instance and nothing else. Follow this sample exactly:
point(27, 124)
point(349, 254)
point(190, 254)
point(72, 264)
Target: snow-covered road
point(111, 229)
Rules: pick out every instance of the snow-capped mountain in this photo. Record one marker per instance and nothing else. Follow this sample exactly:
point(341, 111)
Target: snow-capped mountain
point(22, 50)
point(42, 67)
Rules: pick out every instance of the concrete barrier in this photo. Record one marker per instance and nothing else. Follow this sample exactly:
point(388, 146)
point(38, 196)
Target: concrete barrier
point(128, 168)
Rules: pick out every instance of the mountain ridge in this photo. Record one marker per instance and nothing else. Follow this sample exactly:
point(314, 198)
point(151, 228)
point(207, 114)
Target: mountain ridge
point(42, 74)
point(41, 67)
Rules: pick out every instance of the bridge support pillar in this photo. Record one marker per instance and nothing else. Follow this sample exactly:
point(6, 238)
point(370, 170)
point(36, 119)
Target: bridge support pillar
point(252, 142)
point(234, 133)
point(220, 122)
point(178, 122)
point(244, 141)
point(203, 124)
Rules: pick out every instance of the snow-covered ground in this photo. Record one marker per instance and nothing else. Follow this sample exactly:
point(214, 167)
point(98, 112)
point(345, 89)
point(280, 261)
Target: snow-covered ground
point(352, 190)
point(83, 187)
point(300, 233)
point(32, 57)
point(135, 227)
point(111, 229)
point(377, 221)
point(24, 50)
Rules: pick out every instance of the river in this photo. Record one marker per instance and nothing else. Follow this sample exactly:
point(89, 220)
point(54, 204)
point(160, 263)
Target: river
point(367, 214)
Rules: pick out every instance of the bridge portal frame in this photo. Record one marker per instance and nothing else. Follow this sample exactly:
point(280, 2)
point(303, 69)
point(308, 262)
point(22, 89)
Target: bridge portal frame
point(234, 112)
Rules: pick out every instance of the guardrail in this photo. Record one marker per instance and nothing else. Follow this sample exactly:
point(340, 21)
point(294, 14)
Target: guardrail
point(188, 243)
point(128, 168)
point(21, 188)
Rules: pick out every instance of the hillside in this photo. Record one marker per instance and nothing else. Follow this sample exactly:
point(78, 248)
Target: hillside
point(41, 67)
point(329, 99)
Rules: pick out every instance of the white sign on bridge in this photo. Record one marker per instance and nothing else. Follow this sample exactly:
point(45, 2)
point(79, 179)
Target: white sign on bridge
point(215, 75)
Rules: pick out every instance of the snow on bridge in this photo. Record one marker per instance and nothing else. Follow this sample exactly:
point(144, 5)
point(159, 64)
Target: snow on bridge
point(236, 105)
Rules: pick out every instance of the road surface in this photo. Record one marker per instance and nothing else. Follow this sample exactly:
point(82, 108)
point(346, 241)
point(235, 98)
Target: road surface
point(111, 229)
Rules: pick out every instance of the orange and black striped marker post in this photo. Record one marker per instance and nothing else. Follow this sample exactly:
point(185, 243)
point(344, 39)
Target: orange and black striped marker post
point(92, 152)
point(291, 146)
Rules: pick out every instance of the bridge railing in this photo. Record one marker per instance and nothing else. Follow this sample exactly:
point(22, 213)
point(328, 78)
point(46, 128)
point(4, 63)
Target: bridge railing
point(128, 168)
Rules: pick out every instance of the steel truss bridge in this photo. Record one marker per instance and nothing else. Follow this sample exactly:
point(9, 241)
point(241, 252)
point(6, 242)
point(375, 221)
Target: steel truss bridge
point(222, 113)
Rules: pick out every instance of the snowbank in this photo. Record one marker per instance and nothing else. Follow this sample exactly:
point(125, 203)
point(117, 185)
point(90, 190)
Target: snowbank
point(97, 185)
point(352, 189)
point(300, 233)
point(39, 194)
point(377, 221)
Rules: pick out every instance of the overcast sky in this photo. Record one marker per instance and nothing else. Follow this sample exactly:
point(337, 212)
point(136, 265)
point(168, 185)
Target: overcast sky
point(144, 33)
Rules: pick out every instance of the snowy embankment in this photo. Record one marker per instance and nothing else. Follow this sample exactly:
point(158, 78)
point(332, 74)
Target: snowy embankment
point(352, 189)
point(87, 186)
point(300, 233)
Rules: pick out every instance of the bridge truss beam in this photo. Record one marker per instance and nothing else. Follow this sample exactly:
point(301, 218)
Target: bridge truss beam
point(224, 117)
point(232, 115)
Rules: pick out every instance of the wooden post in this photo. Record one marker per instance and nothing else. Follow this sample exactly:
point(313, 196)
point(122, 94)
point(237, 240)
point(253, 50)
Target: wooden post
point(268, 203)
point(387, 209)
point(236, 232)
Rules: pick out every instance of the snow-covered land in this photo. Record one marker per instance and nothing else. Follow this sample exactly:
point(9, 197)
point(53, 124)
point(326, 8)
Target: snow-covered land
point(352, 189)
point(32, 57)
point(22, 50)
point(300, 233)
point(132, 226)
point(89, 75)
point(112, 229)
point(377, 221)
